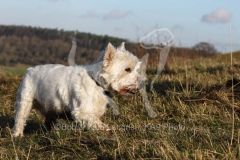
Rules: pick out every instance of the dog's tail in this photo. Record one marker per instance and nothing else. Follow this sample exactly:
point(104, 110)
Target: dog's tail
point(71, 56)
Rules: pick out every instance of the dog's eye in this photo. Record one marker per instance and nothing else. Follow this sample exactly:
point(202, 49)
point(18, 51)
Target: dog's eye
point(128, 69)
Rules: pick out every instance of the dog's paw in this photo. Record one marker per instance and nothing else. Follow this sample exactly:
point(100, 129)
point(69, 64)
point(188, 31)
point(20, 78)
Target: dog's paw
point(16, 135)
point(108, 133)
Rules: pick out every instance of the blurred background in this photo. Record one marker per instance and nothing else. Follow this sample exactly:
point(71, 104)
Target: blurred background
point(36, 32)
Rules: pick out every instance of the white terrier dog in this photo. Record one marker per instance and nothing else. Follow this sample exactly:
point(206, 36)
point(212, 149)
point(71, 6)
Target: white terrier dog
point(80, 90)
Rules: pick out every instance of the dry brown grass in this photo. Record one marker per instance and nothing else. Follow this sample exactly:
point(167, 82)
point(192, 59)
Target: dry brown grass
point(194, 120)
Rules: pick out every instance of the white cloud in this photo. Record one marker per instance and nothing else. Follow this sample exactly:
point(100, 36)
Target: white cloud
point(89, 14)
point(116, 14)
point(218, 16)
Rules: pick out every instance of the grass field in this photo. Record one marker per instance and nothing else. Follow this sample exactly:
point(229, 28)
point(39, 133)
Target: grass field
point(195, 119)
point(16, 70)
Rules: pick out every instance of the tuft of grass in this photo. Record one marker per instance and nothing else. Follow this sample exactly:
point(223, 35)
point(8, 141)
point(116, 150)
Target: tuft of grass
point(194, 120)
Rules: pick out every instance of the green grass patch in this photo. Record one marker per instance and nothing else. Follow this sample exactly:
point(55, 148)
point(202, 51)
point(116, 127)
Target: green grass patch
point(13, 70)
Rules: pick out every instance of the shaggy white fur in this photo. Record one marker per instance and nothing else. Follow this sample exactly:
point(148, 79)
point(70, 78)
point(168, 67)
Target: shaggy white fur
point(79, 90)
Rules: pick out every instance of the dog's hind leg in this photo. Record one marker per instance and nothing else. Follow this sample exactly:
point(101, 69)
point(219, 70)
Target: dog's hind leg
point(23, 107)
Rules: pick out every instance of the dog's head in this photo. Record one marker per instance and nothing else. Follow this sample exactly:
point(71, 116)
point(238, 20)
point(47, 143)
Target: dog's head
point(122, 72)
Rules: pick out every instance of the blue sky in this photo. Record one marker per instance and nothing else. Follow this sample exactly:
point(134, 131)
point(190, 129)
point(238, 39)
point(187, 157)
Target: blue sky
point(190, 21)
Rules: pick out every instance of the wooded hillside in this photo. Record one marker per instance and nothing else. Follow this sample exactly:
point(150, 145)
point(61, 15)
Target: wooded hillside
point(34, 46)
point(31, 45)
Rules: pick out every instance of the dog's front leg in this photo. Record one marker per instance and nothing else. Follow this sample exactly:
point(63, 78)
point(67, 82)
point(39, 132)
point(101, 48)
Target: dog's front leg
point(89, 121)
point(113, 105)
point(150, 111)
point(96, 124)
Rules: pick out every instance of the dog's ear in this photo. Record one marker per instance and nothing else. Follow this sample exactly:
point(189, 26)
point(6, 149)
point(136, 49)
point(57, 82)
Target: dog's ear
point(109, 55)
point(122, 47)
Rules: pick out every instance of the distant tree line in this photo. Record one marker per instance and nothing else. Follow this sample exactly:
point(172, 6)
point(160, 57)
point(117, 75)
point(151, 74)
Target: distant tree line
point(34, 46)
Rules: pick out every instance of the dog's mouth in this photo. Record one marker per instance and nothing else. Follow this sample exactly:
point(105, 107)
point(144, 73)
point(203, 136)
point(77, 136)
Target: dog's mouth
point(128, 92)
point(124, 91)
